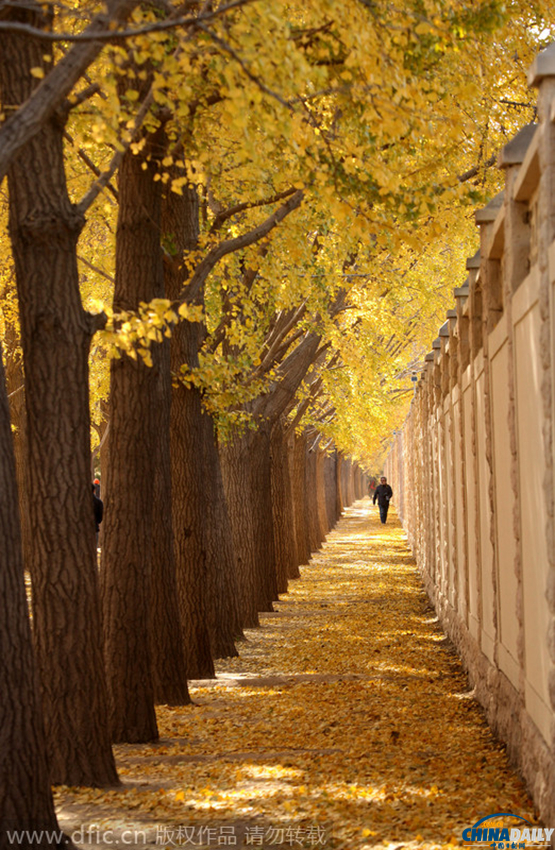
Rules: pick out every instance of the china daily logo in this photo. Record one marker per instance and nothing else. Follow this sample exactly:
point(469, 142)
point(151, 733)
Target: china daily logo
point(505, 831)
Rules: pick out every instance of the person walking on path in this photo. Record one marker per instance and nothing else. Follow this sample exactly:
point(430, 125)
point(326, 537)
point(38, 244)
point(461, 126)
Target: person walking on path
point(383, 494)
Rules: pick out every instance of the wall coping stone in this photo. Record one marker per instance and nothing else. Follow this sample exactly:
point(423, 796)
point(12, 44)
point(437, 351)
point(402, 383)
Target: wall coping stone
point(490, 211)
point(474, 262)
point(542, 66)
point(514, 151)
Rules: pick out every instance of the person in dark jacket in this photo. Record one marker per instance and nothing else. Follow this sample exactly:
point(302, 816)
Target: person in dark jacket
point(98, 506)
point(383, 494)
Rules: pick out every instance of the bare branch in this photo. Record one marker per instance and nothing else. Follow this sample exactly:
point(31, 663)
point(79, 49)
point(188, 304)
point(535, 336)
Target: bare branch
point(95, 269)
point(192, 289)
point(223, 216)
point(90, 165)
point(472, 172)
point(113, 36)
point(18, 390)
point(81, 97)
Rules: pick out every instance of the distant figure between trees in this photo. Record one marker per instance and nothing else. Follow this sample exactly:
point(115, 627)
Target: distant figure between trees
point(98, 506)
point(383, 494)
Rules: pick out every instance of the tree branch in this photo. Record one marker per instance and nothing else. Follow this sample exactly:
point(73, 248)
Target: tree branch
point(105, 178)
point(233, 53)
point(472, 172)
point(223, 216)
point(90, 165)
point(95, 269)
point(51, 93)
point(290, 374)
point(113, 36)
point(191, 290)
point(80, 98)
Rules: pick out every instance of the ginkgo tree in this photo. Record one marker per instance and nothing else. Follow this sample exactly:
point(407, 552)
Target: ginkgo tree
point(347, 108)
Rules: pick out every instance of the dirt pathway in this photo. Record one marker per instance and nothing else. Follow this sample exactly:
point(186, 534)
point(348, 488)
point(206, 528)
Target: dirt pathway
point(346, 722)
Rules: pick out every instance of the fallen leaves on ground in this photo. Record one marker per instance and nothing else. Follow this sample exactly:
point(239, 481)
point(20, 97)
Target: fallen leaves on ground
point(345, 722)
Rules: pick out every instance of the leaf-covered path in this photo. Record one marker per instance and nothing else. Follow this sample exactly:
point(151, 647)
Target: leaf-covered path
point(346, 722)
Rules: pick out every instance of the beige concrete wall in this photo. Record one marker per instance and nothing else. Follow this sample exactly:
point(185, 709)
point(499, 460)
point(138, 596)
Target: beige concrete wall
point(532, 466)
point(474, 465)
point(471, 508)
point(461, 567)
point(505, 540)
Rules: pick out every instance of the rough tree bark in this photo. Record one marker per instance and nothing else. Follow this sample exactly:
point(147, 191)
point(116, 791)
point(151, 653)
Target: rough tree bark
point(169, 669)
point(315, 539)
point(15, 385)
point(188, 504)
point(299, 497)
point(247, 480)
point(204, 548)
point(320, 494)
point(56, 334)
point(126, 563)
point(282, 505)
point(224, 619)
point(330, 478)
point(25, 795)
point(235, 464)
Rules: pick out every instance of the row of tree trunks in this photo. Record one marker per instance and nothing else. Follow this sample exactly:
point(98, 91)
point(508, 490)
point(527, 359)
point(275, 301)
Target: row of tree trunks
point(153, 555)
point(283, 509)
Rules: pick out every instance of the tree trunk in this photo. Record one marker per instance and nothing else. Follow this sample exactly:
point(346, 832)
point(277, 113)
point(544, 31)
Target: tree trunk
point(323, 524)
point(25, 795)
point(294, 571)
point(330, 478)
point(311, 487)
point(348, 471)
point(188, 501)
point(169, 670)
point(283, 512)
point(339, 483)
point(181, 229)
point(56, 334)
point(236, 478)
point(300, 498)
point(247, 482)
point(126, 562)
point(261, 489)
point(224, 618)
